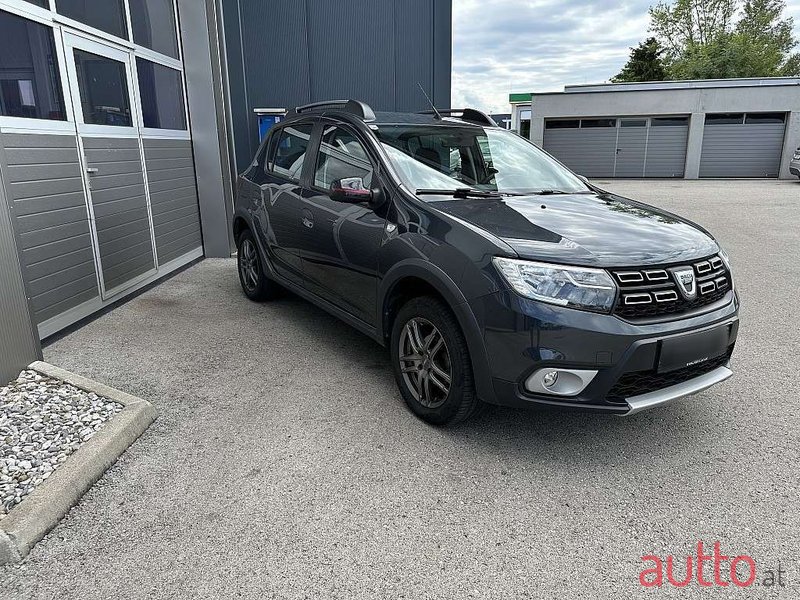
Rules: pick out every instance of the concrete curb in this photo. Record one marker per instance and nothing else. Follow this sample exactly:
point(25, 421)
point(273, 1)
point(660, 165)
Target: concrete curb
point(29, 521)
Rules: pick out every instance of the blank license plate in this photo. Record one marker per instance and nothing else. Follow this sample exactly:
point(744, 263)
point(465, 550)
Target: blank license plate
point(694, 348)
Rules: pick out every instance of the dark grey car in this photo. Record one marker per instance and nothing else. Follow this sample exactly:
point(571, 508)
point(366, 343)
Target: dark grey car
point(794, 165)
point(490, 271)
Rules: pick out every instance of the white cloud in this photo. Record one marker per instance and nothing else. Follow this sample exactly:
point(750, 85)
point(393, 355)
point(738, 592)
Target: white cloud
point(503, 46)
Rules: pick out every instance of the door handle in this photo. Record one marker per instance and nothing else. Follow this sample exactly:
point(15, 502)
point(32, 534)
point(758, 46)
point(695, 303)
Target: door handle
point(308, 222)
point(92, 170)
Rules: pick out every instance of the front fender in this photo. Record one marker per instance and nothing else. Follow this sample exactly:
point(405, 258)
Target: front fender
point(447, 288)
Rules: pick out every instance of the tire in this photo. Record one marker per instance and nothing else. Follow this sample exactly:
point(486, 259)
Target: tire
point(415, 330)
point(255, 284)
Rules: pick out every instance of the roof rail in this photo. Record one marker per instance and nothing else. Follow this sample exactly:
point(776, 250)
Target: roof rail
point(465, 114)
point(354, 107)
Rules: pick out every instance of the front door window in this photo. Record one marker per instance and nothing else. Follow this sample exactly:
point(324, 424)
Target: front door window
point(341, 156)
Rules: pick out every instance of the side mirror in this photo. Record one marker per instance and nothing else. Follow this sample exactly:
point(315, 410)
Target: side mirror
point(352, 190)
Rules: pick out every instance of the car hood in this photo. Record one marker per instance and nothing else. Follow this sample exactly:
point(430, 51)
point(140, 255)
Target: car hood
point(585, 229)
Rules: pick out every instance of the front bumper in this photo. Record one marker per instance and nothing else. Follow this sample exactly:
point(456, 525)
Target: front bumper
point(522, 336)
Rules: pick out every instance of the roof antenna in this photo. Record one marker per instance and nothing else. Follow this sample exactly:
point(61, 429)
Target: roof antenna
point(438, 116)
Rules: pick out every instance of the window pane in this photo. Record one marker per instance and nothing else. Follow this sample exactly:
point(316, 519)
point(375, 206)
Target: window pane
point(341, 156)
point(42, 3)
point(291, 151)
point(162, 96)
point(764, 118)
point(30, 84)
point(598, 122)
point(562, 124)
point(633, 123)
point(103, 89)
point(669, 122)
point(725, 119)
point(153, 24)
point(107, 15)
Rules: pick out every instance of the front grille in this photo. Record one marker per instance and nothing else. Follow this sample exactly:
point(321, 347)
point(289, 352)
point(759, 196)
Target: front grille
point(642, 382)
point(652, 292)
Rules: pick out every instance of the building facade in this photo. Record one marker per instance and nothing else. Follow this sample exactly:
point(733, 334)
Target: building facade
point(685, 129)
point(123, 124)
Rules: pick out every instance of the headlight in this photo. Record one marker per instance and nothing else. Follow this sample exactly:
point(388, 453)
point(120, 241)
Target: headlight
point(576, 287)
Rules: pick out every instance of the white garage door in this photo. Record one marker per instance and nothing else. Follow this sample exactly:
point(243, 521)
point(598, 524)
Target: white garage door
point(742, 145)
point(620, 147)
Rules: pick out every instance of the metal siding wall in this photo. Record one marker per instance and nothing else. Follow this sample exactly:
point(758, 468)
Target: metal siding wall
point(666, 152)
point(589, 152)
point(338, 35)
point(120, 209)
point(412, 61)
point(442, 51)
point(45, 187)
point(742, 150)
point(19, 346)
point(303, 51)
point(173, 197)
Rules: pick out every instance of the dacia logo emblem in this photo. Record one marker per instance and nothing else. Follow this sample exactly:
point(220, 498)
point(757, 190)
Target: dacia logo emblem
point(686, 281)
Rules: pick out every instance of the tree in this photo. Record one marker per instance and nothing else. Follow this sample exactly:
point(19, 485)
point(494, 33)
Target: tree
point(704, 40)
point(644, 64)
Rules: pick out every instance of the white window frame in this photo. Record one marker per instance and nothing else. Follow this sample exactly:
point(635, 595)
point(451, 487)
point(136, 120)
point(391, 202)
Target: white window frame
point(61, 25)
point(86, 44)
point(28, 124)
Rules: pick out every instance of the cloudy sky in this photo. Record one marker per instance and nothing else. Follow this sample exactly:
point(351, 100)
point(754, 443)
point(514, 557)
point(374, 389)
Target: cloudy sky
point(502, 46)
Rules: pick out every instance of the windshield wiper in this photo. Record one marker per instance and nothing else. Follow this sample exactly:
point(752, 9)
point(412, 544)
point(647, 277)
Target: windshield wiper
point(458, 193)
point(549, 192)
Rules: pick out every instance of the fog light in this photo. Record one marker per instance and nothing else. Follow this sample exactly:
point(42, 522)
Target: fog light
point(549, 379)
point(559, 382)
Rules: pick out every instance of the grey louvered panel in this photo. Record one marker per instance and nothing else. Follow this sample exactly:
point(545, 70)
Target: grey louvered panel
point(50, 219)
point(62, 277)
point(44, 174)
point(28, 173)
point(179, 246)
point(55, 251)
point(587, 151)
point(32, 206)
point(65, 296)
point(120, 209)
point(173, 197)
point(119, 274)
point(666, 151)
point(46, 267)
point(40, 237)
point(630, 149)
point(751, 150)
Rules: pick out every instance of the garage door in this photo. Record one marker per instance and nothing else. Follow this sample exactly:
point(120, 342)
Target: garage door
point(742, 145)
point(620, 147)
point(587, 146)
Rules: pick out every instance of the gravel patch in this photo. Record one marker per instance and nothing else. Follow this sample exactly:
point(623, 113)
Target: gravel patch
point(42, 421)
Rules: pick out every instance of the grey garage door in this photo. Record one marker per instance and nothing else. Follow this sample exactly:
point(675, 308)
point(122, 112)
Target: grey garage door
point(742, 145)
point(620, 147)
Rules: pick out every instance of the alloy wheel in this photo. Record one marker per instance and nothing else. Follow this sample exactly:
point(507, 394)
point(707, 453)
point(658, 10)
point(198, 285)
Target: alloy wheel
point(425, 362)
point(248, 265)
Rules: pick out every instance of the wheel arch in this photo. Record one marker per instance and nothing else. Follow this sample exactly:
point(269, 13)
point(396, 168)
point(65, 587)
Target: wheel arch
point(415, 277)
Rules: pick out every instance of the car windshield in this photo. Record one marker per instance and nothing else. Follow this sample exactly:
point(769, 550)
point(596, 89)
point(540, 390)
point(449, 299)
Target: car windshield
point(448, 157)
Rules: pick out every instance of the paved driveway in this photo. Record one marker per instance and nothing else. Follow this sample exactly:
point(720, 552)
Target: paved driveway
point(285, 465)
